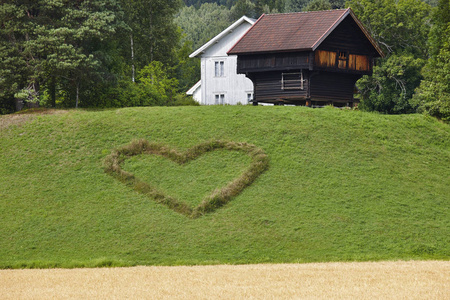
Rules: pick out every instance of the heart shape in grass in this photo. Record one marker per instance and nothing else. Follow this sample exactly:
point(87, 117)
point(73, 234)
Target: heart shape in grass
point(217, 198)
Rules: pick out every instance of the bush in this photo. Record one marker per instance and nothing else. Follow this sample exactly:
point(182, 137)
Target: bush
point(184, 100)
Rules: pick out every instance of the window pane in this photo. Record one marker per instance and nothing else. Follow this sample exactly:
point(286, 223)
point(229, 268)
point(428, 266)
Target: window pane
point(217, 99)
point(221, 68)
point(216, 69)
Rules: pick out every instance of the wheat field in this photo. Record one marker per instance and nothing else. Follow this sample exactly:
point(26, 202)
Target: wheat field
point(359, 280)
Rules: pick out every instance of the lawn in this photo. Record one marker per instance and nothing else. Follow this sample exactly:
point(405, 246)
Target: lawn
point(340, 186)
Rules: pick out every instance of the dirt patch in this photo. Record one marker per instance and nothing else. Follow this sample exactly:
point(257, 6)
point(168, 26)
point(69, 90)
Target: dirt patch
point(367, 280)
point(26, 116)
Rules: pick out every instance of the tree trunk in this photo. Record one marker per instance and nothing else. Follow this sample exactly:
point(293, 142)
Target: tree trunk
point(78, 88)
point(132, 59)
point(151, 36)
point(53, 92)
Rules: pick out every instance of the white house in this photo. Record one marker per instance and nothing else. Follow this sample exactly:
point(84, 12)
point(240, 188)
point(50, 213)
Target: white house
point(220, 83)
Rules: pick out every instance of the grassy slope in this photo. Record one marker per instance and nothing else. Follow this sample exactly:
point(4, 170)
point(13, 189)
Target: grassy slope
point(341, 185)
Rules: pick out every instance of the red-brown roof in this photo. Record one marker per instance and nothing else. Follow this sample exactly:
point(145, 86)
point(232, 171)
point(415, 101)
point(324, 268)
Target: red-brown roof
point(292, 31)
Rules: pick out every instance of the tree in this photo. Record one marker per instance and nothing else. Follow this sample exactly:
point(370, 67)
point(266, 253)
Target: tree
point(401, 25)
point(401, 28)
point(433, 94)
point(295, 5)
point(243, 7)
point(315, 5)
point(153, 35)
point(441, 19)
point(155, 81)
point(392, 85)
point(187, 69)
point(202, 24)
point(57, 41)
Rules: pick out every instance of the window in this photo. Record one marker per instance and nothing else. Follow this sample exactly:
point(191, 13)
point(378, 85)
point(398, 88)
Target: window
point(249, 97)
point(342, 60)
point(220, 99)
point(219, 68)
point(292, 81)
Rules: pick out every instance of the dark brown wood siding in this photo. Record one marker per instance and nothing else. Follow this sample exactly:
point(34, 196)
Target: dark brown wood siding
point(328, 86)
point(268, 87)
point(273, 62)
point(347, 36)
point(341, 61)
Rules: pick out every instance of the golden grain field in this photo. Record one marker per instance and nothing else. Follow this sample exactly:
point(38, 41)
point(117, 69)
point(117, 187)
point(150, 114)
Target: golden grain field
point(362, 280)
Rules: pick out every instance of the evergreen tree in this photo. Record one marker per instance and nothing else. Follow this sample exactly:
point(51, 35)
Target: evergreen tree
point(56, 42)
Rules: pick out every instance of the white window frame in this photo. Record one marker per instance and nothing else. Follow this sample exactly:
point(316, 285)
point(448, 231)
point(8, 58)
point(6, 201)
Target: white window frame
point(287, 79)
point(219, 68)
point(219, 99)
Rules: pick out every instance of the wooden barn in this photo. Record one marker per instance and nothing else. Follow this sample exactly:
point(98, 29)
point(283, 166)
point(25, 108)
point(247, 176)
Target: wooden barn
point(308, 58)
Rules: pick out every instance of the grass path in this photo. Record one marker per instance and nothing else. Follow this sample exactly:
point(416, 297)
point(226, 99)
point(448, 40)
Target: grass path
point(362, 280)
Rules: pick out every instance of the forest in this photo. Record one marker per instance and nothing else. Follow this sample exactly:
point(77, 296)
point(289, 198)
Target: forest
point(117, 53)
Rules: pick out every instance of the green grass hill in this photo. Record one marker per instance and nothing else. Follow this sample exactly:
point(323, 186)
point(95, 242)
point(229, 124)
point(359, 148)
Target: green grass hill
point(340, 186)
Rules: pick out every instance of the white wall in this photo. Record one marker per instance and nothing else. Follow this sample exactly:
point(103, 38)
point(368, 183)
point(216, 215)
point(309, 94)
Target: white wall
point(233, 86)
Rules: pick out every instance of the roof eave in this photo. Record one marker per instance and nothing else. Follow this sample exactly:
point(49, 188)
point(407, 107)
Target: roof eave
point(253, 25)
point(350, 12)
point(366, 33)
point(272, 51)
point(194, 87)
point(215, 39)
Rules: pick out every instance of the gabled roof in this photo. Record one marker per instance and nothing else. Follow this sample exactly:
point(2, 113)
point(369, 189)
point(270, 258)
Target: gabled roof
point(196, 86)
point(294, 32)
point(222, 34)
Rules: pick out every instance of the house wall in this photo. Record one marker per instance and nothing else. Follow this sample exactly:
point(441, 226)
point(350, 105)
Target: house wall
point(197, 95)
point(274, 62)
point(318, 86)
point(268, 87)
point(333, 87)
point(349, 37)
point(233, 86)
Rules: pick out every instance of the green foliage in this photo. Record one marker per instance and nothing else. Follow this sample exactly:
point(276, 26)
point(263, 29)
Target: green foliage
point(392, 85)
point(295, 5)
point(153, 30)
point(341, 186)
point(433, 95)
point(154, 78)
point(316, 5)
point(55, 39)
point(401, 29)
point(243, 7)
point(182, 99)
point(438, 34)
point(187, 69)
point(202, 24)
point(398, 26)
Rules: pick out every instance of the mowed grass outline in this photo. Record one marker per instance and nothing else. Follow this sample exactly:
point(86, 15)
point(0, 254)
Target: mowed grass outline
point(219, 197)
